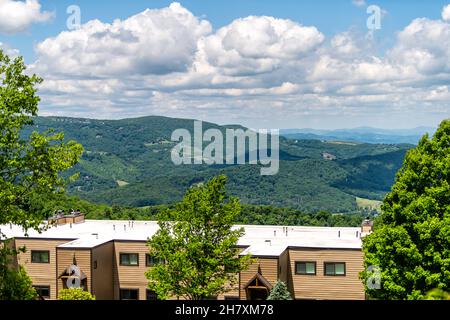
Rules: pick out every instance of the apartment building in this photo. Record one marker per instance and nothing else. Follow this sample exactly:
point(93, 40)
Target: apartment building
point(111, 257)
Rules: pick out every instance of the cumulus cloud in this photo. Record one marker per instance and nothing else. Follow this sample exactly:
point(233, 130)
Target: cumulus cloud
point(156, 41)
point(424, 46)
point(17, 16)
point(258, 44)
point(446, 13)
point(258, 70)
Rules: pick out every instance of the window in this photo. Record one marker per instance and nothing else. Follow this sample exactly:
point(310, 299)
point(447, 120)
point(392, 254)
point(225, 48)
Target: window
point(151, 295)
point(129, 259)
point(231, 298)
point(43, 291)
point(40, 256)
point(305, 268)
point(95, 264)
point(151, 261)
point(129, 294)
point(334, 268)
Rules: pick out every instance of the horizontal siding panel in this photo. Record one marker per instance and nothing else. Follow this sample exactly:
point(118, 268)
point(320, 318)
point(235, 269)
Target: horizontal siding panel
point(102, 276)
point(269, 270)
point(40, 273)
point(327, 287)
point(83, 261)
point(129, 277)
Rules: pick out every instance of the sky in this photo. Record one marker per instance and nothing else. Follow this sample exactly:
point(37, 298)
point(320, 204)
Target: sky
point(322, 64)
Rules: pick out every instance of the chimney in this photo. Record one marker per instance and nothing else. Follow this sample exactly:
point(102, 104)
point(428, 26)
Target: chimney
point(367, 226)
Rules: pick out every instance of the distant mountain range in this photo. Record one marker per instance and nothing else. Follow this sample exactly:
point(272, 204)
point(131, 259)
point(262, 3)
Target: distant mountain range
point(127, 162)
point(361, 134)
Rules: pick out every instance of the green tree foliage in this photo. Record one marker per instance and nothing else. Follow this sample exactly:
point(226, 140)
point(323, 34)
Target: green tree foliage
point(279, 292)
point(198, 244)
point(75, 294)
point(29, 168)
point(411, 241)
point(437, 294)
point(14, 282)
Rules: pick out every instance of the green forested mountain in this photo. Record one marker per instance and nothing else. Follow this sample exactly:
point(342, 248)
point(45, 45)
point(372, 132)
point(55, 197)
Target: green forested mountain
point(127, 162)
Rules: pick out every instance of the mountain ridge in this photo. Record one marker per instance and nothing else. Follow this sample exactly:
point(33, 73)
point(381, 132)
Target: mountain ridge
point(127, 162)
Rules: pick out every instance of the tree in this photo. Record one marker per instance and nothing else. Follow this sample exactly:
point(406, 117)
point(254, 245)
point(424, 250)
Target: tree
point(437, 294)
point(279, 292)
point(198, 244)
point(14, 282)
point(75, 294)
point(410, 245)
point(29, 167)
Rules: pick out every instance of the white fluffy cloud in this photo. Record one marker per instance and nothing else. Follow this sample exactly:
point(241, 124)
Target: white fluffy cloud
point(446, 13)
point(258, 44)
point(17, 16)
point(156, 41)
point(424, 45)
point(259, 71)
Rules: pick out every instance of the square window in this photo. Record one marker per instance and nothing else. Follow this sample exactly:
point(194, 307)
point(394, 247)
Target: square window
point(129, 294)
point(129, 259)
point(43, 291)
point(151, 261)
point(334, 268)
point(151, 295)
point(305, 268)
point(40, 256)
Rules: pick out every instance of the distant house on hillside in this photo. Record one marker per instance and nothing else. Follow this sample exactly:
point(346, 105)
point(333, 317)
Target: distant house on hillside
point(328, 156)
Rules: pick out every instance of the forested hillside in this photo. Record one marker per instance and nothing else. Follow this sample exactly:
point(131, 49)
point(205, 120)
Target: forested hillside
point(127, 162)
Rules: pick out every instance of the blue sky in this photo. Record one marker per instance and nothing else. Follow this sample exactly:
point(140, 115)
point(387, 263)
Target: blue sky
point(290, 78)
point(329, 16)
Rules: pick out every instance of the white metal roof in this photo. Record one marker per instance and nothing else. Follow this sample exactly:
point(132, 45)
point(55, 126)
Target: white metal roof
point(262, 240)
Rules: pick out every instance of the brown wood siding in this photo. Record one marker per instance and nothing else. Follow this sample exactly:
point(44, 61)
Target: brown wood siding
point(102, 276)
point(283, 267)
point(320, 286)
point(83, 260)
point(43, 274)
point(269, 270)
point(130, 277)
